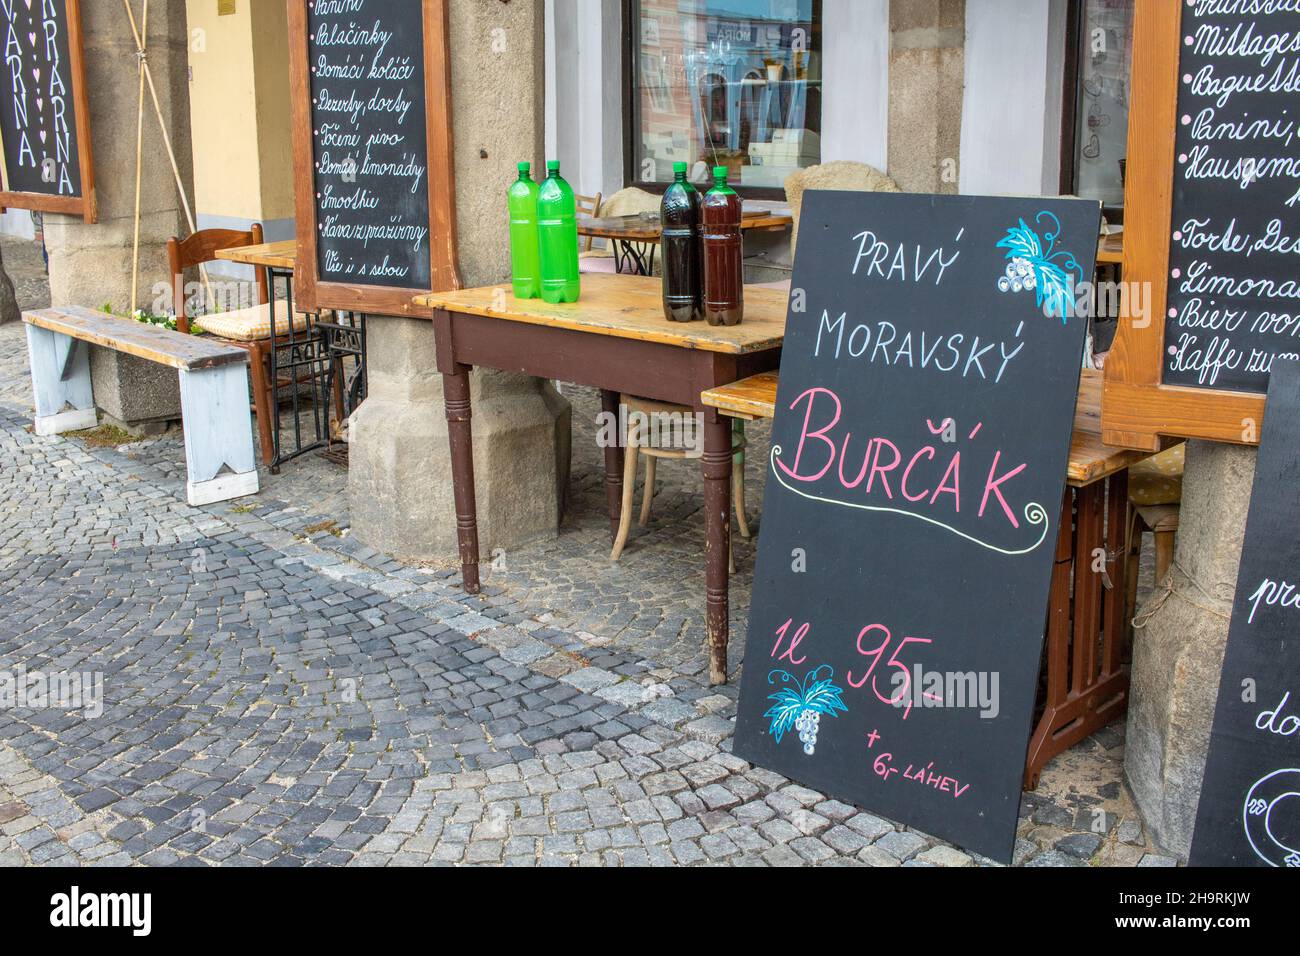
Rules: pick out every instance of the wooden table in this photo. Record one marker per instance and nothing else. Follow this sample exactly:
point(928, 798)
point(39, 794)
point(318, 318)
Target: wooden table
point(269, 255)
point(1087, 684)
point(1110, 250)
point(629, 235)
point(614, 338)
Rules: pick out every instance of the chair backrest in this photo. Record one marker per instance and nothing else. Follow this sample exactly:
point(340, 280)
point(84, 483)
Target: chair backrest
point(837, 174)
point(588, 206)
point(201, 247)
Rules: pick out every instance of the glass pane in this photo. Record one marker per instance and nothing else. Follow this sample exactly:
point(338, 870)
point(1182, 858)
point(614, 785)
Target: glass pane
point(732, 83)
point(1101, 137)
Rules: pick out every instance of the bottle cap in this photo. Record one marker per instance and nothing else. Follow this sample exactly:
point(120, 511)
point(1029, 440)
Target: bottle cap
point(552, 165)
point(719, 172)
point(525, 167)
point(679, 168)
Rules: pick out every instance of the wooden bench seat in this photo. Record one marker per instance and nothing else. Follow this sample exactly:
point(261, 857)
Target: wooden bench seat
point(213, 380)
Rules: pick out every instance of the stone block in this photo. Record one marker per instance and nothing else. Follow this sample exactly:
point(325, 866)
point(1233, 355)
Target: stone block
point(139, 395)
point(399, 475)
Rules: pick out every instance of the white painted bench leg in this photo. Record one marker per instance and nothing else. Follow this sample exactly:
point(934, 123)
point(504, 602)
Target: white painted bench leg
point(60, 378)
point(218, 434)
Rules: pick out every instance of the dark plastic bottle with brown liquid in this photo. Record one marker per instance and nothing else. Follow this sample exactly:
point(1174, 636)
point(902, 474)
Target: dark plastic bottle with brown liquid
point(679, 245)
point(724, 275)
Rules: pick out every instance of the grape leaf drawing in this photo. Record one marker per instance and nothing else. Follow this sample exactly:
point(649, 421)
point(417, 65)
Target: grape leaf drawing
point(1035, 264)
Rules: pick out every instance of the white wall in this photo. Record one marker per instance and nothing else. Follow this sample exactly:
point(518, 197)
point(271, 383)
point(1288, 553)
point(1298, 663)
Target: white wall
point(1011, 113)
point(855, 81)
point(17, 222)
point(584, 93)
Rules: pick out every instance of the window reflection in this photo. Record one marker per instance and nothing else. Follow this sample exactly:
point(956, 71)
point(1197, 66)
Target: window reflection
point(733, 83)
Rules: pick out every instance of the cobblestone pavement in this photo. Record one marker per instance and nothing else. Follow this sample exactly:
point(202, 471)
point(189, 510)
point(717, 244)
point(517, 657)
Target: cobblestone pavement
point(274, 692)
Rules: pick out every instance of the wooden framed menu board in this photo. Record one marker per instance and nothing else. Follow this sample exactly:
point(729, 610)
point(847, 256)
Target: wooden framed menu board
point(1212, 221)
point(45, 147)
point(373, 183)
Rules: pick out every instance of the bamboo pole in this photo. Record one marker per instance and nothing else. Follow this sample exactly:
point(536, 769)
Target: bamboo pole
point(139, 152)
point(167, 140)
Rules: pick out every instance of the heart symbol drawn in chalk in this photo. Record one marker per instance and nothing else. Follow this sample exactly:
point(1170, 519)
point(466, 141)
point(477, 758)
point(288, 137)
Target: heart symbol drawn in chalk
point(31, 38)
point(42, 136)
point(40, 103)
point(36, 72)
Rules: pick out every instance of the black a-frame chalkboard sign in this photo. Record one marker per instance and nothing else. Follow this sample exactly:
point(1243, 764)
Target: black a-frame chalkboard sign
point(1249, 814)
point(918, 460)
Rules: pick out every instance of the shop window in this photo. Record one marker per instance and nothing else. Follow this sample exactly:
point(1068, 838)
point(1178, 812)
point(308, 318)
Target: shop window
point(733, 83)
point(1095, 133)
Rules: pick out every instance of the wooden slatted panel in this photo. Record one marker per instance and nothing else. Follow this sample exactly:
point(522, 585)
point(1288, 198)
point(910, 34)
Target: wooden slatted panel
point(150, 342)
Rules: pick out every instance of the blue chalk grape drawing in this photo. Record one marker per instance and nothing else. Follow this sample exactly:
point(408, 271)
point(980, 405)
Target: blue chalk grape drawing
point(801, 703)
point(1037, 265)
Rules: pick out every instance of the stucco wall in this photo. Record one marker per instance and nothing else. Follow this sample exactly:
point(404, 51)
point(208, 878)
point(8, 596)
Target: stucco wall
point(239, 118)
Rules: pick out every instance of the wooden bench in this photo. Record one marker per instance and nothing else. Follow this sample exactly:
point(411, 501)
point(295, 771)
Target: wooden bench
point(214, 391)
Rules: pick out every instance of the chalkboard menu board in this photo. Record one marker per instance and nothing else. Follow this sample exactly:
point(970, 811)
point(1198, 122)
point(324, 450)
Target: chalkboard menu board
point(1234, 256)
point(1201, 276)
point(918, 460)
point(1249, 813)
point(377, 156)
point(44, 129)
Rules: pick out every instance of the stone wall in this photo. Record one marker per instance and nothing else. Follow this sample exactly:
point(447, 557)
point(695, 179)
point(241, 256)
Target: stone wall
point(90, 265)
point(926, 79)
point(1178, 653)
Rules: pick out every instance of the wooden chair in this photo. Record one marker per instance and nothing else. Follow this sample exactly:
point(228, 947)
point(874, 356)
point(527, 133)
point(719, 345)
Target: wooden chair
point(588, 207)
point(646, 438)
point(247, 328)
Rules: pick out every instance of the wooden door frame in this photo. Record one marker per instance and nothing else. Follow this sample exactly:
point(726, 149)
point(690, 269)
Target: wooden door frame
point(1137, 408)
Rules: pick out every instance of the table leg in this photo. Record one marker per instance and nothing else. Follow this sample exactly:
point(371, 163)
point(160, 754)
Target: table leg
point(1115, 614)
point(716, 466)
point(613, 463)
point(455, 389)
point(631, 258)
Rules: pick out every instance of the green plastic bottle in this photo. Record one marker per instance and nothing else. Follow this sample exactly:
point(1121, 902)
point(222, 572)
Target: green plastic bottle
point(525, 263)
point(557, 237)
